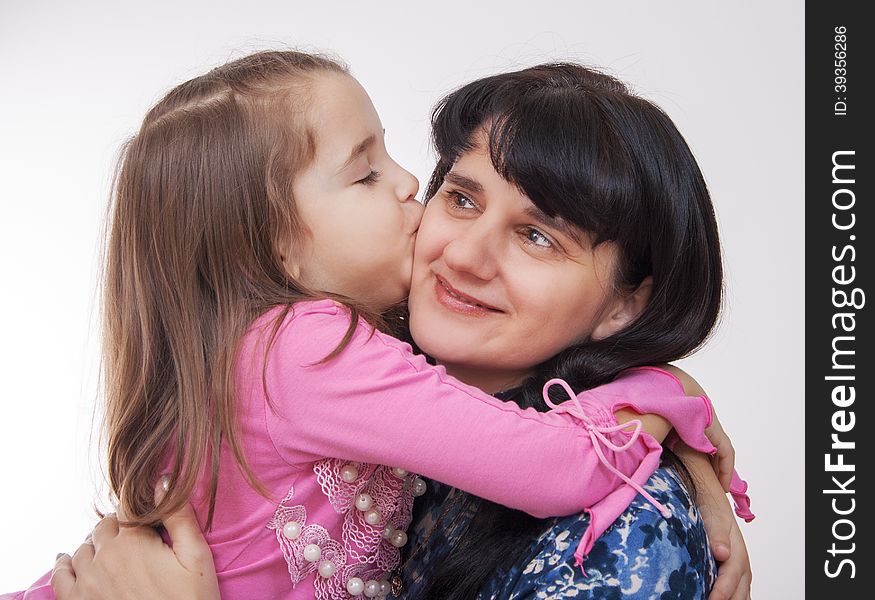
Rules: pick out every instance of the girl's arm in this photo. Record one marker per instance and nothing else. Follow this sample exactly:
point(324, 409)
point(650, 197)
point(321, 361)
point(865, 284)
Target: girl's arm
point(377, 402)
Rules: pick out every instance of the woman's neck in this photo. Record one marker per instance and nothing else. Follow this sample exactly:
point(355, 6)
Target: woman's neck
point(489, 381)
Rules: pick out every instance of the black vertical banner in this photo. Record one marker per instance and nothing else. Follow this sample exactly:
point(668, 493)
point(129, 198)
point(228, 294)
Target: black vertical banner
point(839, 364)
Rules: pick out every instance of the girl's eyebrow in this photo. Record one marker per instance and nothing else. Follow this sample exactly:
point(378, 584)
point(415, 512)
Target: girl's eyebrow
point(359, 149)
point(464, 182)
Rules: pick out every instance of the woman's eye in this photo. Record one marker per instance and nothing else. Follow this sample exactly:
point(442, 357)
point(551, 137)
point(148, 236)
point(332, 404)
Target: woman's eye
point(372, 177)
point(536, 238)
point(460, 201)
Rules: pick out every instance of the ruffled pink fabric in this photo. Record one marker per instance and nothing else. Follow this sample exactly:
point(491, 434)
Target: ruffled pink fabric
point(738, 491)
point(689, 415)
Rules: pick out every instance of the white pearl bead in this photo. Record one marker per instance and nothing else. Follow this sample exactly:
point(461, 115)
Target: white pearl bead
point(355, 586)
point(385, 588)
point(349, 473)
point(312, 552)
point(388, 530)
point(372, 588)
point(364, 502)
point(373, 516)
point(419, 487)
point(399, 472)
point(399, 538)
point(327, 568)
point(292, 530)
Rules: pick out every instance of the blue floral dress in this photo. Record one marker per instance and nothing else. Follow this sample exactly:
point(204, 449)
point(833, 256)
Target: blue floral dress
point(641, 556)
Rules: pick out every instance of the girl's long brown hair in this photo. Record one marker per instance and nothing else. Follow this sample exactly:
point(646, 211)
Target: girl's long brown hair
point(201, 201)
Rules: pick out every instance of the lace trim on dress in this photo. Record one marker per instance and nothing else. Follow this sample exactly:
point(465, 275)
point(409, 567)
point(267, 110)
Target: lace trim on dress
point(391, 493)
point(293, 547)
point(376, 504)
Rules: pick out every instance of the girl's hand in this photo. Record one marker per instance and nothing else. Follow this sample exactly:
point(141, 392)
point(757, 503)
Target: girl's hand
point(727, 544)
point(724, 461)
point(133, 563)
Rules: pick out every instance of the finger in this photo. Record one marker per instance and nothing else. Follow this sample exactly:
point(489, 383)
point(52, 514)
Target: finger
point(105, 530)
point(725, 468)
point(720, 471)
point(743, 590)
point(83, 557)
point(63, 577)
point(726, 584)
point(723, 461)
point(189, 545)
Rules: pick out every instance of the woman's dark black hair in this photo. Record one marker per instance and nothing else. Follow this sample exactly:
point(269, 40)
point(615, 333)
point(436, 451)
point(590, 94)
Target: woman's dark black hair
point(581, 146)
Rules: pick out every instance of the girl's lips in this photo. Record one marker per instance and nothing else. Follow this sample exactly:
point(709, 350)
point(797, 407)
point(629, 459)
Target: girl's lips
point(459, 302)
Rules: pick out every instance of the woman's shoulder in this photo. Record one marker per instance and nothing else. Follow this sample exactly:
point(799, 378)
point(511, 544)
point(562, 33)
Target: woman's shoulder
point(641, 552)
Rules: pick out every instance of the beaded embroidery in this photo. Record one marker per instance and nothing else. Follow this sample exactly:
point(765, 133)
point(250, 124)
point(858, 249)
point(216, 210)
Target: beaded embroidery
point(364, 551)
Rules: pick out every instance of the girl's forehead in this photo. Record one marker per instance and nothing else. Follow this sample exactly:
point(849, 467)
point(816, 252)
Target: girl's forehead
point(344, 123)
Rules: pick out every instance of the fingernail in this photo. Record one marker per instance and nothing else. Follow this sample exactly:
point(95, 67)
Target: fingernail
point(58, 556)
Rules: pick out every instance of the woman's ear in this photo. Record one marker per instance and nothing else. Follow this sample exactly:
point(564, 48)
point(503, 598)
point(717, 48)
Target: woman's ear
point(623, 310)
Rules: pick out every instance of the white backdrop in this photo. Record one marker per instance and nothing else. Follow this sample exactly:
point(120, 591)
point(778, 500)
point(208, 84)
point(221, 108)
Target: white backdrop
point(78, 77)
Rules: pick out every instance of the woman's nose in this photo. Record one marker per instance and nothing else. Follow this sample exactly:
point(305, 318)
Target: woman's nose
point(473, 252)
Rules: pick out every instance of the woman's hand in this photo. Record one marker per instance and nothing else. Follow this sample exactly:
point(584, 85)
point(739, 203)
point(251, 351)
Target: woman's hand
point(133, 563)
point(727, 544)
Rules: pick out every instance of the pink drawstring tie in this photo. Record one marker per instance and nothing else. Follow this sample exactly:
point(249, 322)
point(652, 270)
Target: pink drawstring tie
point(597, 435)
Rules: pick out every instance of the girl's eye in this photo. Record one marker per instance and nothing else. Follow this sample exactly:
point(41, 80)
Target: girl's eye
point(536, 238)
point(372, 177)
point(460, 201)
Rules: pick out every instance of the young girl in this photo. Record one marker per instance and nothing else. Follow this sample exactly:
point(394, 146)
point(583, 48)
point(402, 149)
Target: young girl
point(259, 231)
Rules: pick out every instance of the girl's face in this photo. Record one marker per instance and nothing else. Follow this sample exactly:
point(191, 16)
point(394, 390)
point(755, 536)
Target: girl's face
point(499, 287)
point(357, 204)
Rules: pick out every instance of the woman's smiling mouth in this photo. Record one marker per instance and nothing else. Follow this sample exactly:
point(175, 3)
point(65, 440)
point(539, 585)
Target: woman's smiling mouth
point(459, 302)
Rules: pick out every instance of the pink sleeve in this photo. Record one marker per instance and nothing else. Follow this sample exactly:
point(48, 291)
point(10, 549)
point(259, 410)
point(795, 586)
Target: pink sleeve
point(379, 403)
point(689, 422)
point(40, 590)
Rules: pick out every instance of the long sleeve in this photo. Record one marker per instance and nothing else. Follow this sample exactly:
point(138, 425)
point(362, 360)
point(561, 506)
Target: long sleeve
point(377, 402)
point(40, 590)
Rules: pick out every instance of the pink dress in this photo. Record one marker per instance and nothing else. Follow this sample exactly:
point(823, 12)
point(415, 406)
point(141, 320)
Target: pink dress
point(335, 517)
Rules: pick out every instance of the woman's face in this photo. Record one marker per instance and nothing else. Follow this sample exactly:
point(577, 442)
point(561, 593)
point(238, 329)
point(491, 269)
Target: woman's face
point(499, 287)
point(357, 204)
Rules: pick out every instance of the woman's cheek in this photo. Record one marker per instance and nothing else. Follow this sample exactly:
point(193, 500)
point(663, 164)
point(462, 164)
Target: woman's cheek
point(432, 238)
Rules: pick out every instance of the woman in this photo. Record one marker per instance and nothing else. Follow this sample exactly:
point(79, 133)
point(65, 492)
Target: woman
point(539, 171)
point(580, 146)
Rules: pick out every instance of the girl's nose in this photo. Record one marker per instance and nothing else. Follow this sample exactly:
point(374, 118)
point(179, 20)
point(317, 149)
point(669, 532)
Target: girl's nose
point(414, 213)
point(406, 189)
point(407, 185)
